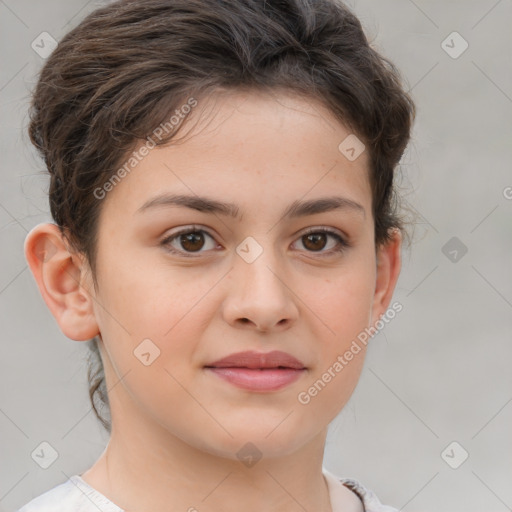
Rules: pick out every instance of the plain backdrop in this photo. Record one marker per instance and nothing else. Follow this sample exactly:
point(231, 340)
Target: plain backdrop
point(437, 384)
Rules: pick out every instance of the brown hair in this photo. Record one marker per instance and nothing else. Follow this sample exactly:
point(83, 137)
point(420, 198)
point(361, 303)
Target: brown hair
point(127, 66)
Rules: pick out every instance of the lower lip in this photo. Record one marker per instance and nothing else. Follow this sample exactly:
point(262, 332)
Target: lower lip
point(258, 380)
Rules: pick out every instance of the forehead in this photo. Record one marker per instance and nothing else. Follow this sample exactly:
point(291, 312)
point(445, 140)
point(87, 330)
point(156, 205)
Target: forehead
point(248, 145)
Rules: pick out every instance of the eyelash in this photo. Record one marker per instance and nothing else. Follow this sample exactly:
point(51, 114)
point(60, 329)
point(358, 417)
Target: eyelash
point(341, 247)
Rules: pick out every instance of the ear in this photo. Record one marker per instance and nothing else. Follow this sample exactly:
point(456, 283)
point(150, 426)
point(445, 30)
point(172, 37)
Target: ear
point(62, 280)
point(388, 269)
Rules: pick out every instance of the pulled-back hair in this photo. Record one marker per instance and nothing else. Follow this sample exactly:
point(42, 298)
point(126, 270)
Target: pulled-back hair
point(127, 66)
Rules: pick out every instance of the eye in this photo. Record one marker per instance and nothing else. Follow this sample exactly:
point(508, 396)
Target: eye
point(316, 239)
point(188, 240)
point(193, 239)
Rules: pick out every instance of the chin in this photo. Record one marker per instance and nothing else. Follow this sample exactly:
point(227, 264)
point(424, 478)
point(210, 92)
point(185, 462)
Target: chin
point(260, 439)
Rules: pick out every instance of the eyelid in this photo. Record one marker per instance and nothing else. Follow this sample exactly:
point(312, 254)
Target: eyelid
point(184, 230)
point(342, 239)
point(316, 229)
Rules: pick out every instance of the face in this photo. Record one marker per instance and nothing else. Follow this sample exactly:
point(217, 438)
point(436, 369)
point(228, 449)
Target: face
point(269, 247)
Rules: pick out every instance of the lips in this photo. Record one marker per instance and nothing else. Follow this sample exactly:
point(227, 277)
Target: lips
point(258, 371)
point(275, 359)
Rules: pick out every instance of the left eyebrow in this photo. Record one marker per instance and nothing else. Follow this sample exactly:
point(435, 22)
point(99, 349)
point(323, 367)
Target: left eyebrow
point(295, 209)
point(322, 205)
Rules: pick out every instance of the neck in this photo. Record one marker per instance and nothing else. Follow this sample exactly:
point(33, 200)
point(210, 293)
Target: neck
point(183, 479)
point(143, 470)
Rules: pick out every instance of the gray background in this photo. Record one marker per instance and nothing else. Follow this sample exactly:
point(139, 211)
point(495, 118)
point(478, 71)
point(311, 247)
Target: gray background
point(438, 373)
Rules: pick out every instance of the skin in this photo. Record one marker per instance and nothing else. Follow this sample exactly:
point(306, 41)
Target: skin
point(176, 427)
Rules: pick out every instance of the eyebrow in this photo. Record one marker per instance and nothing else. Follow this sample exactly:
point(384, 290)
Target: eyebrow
point(295, 209)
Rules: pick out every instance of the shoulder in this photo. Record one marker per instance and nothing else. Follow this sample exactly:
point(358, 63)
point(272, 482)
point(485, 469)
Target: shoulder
point(56, 499)
point(70, 495)
point(369, 500)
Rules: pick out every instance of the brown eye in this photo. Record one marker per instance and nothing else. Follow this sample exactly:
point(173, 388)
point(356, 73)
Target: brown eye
point(323, 241)
point(192, 241)
point(315, 241)
point(189, 241)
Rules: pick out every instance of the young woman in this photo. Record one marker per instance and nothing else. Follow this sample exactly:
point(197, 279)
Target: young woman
point(226, 235)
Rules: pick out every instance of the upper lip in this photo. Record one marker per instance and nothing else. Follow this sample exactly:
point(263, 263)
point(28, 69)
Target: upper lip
point(251, 359)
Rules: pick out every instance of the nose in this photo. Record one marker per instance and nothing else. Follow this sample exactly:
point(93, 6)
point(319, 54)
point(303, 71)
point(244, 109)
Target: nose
point(258, 296)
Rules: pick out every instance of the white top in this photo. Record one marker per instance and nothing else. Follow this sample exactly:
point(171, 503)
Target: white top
point(75, 495)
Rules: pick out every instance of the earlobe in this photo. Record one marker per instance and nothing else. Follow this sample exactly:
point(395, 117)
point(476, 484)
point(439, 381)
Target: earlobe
point(60, 277)
point(388, 271)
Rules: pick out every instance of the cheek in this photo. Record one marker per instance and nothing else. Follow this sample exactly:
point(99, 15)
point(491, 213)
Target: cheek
point(151, 332)
point(343, 304)
point(149, 300)
point(332, 384)
point(163, 315)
